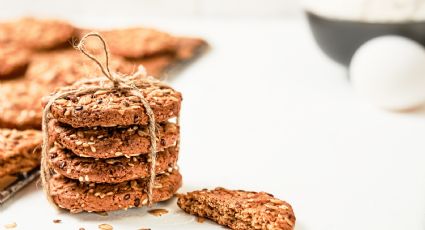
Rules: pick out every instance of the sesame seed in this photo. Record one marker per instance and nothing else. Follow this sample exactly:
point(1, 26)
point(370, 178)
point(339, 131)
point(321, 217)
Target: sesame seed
point(105, 227)
point(67, 113)
point(10, 225)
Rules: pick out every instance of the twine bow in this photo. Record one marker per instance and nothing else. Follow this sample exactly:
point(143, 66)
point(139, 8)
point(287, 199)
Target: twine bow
point(118, 84)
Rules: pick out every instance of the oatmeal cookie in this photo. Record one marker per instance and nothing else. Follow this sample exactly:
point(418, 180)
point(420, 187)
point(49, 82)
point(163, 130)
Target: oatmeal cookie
point(111, 108)
point(113, 170)
point(133, 42)
point(102, 142)
point(39, 34)
point(13, 60)
point(77, 197)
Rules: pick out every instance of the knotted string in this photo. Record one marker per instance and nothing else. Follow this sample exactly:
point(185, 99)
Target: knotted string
point(118, 84)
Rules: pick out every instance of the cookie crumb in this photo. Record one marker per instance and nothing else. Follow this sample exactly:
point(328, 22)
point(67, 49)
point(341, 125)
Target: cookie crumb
point(105, 227)
point(144, 229)
point(158, 212)
point(57, 221)
point(81, 229)
point(200, 219)
point(10, 225)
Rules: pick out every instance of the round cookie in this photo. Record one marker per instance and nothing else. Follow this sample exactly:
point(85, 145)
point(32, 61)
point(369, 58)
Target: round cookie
point(103, 142)
point(111, 108)
point(77, 197)
point(113, 170)
point(40, 34)
point(121, 42)
point(13, 60)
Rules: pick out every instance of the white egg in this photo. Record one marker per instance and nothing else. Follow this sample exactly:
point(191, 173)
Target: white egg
point(390, 72)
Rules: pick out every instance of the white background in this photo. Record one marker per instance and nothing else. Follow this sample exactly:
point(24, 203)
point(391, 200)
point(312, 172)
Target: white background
point(152, 8)
point(265, 110)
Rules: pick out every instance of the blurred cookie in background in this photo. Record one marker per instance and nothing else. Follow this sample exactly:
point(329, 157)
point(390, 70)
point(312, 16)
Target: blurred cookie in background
point(20, 105)
point(187, 50)
point(37, 34)
point(159, 52)
point(134, 42)
point(13, 60)
point(64, 67)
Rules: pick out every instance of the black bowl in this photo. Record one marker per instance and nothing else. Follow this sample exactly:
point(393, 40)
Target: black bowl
point(339, 39)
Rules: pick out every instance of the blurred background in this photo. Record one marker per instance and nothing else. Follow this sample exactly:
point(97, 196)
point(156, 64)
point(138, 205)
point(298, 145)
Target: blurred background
point(139, 9)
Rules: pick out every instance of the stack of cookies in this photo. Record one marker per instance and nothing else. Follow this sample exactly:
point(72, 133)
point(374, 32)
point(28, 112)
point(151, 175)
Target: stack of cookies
point(100, 145)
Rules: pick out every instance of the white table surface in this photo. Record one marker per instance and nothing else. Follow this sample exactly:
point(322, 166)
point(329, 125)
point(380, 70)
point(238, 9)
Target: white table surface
point(265, 110)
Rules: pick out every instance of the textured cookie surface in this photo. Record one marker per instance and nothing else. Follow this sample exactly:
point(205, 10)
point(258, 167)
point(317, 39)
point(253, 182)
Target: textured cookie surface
point(239, 209)
point(39, 34)
point(19, 151)
point(110, 108)
point(13, 60)
point(113, 170)
point(103, 142)
point(77, 197)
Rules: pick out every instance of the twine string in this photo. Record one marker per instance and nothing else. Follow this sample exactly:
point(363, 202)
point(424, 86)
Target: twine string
point(118, 84)
point(105, 70)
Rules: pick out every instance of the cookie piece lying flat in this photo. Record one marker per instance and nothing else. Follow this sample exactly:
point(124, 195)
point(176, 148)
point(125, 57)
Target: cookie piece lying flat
point(13, 60)
point(19, 151)
point(102, 142)
point(110, 108)
point(187, 50)
point(239, 209)
point(77, 197)
point(113, 170)
point(133, 42)
point(39, 34)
